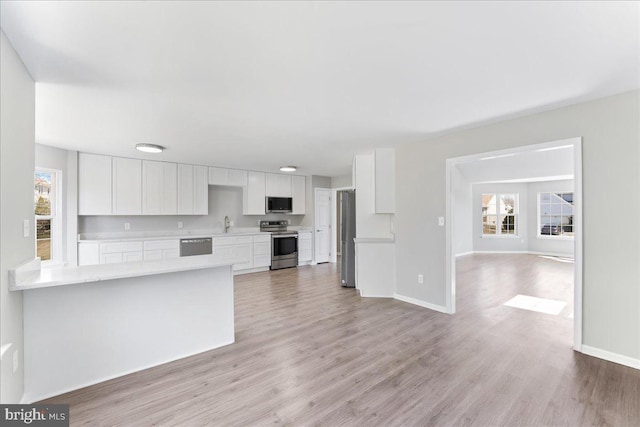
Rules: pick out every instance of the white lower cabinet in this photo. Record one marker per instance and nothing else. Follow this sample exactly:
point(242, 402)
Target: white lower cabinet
point(243, 253)
point(305, 241)
point(261, 251)
point(117, 252)
point(161, 249)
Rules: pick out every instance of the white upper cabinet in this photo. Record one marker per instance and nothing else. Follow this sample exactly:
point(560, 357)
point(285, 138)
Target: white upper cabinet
point(229, 177)
point(253, 195)
point(278, 185)
point(193, 192)
point(298, 193)
point(159, 188)
point(126, 186)
point(94, 184)
point(385, 180)
point(237, 178)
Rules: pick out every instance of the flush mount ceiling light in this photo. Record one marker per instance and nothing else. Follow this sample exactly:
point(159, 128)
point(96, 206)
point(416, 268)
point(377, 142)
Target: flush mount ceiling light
point(288, 168)
point(149, 148)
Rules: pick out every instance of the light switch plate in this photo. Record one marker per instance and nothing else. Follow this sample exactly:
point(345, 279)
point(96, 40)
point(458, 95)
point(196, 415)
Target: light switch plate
point(441, 221)
point(127, 226)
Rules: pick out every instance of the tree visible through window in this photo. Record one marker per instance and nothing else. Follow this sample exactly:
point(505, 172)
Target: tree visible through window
point(44, 201)
point(555, 214)
point(499, 214)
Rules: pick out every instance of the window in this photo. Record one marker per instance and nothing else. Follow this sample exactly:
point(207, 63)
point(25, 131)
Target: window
point(555, 214)
point(47, 214)
point(499, 214)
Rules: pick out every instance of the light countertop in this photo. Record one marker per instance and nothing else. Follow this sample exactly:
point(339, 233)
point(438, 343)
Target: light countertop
point(31, 276)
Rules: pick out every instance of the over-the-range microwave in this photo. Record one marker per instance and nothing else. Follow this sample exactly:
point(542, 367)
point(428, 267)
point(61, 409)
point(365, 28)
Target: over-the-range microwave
point(278, 204)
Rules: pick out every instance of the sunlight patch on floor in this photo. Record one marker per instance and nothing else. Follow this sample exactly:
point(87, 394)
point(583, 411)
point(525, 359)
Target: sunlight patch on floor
point(541, 305)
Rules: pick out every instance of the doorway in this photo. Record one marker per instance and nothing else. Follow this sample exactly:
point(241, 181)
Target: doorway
point(457, 226)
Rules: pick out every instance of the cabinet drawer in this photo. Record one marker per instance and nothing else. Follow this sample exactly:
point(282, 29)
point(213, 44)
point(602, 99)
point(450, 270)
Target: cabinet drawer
point(243, 240)
point(262, 238)
point(222, 241)
point(151, 245)
point(111, 258)
point(109, 248)
point(304, 236)
point(153, 255)
point(132, 256)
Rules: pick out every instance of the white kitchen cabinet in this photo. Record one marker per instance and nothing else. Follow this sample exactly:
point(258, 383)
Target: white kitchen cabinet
point(117, 252)
point(94, 184)
point(88, 253)
point(159, 188)
point(237, 177)
point(126, 186)
point(278, 185)
point(161, 249)
point(298, 194)
point(218, 176)
point(305, 241)
point(228, 177)
point(253, 195)
point(243, 253)
point(193, 190)
point(261, 251)
point(385, 183)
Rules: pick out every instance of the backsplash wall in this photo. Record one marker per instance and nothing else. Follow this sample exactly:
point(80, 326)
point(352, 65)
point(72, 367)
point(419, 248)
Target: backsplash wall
point(222, 201)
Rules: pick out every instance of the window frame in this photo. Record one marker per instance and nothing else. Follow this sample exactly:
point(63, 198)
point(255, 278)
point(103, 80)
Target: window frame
point(500, 217)
point(56, 217)
point(539, 223)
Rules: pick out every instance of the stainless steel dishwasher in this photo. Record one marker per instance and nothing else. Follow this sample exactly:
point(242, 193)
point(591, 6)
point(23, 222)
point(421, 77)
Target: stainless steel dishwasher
point(196, 246)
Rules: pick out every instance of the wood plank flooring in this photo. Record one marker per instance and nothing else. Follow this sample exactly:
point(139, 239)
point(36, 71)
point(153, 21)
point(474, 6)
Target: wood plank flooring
point(309, 352)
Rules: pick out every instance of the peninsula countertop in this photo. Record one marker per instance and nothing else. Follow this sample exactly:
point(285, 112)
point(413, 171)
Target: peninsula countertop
point(31, 276)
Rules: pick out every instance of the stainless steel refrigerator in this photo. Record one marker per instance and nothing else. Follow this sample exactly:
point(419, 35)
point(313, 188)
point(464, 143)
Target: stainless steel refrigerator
point(347, 234)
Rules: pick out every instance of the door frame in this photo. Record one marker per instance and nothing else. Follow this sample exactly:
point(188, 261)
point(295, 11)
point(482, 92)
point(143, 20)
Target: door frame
point(578, 245)
point(333, 257)
point(315, 216)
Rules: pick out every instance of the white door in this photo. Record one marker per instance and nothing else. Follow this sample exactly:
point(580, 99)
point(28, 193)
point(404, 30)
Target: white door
point(323, 224)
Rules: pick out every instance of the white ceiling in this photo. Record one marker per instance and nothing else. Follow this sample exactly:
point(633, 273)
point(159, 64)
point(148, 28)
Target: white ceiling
point(260, 84)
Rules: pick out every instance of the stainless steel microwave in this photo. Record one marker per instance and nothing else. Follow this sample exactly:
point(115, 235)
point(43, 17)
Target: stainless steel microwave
point(278, 204)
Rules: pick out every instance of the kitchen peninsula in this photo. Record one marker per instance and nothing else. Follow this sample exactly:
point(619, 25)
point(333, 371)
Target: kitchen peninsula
point(99, 322)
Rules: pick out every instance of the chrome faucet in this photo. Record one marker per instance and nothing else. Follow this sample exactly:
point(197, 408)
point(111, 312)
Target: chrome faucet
point(227, 224)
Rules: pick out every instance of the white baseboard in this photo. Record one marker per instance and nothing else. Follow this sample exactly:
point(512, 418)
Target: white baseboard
point(464, 253)
point(435, 307)
point(611, 357)
point(375, 296)
point(518, 252)
point(500, 252)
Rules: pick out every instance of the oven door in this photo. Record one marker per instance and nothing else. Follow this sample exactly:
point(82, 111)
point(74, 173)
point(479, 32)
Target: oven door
point(285, 246)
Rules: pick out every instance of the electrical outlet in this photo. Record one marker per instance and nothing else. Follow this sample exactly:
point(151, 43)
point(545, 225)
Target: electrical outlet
point(420, 278)
point(127, 226)
point(16, 361)
point(441, 221)
point(25, 228)
point(180, 225)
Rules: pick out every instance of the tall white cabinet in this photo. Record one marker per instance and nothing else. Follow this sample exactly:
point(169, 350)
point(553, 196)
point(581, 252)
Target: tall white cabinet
point(193, 190)
point(159, 188)
point(126, 186)
point(253, 195)
point(94, 184)
point(298, 194)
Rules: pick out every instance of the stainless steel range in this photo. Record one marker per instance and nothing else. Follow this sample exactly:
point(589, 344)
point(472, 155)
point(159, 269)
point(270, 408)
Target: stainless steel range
point(284, 244)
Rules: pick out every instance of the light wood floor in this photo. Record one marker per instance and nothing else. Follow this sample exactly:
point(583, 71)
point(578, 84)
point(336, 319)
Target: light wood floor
point(309, 352)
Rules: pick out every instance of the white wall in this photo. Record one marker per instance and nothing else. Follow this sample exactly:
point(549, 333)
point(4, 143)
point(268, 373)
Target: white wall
point(549, 245)
point(17, 138)
point(341, 181)
point(517, 243)
point(463, 213)
point(609, 128)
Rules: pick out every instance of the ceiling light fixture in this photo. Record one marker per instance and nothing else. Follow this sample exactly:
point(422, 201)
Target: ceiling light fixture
point(288, 168)
point(150, 148)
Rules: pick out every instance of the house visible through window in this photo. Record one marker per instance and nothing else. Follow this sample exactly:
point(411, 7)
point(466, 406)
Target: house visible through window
point(45, 206)
point(555, 216)
point(499, 214)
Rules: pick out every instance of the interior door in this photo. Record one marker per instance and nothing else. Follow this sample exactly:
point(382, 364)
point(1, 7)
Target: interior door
point(322, 224)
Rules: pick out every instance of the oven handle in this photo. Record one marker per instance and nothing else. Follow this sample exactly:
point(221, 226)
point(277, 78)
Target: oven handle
point(285, 236)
